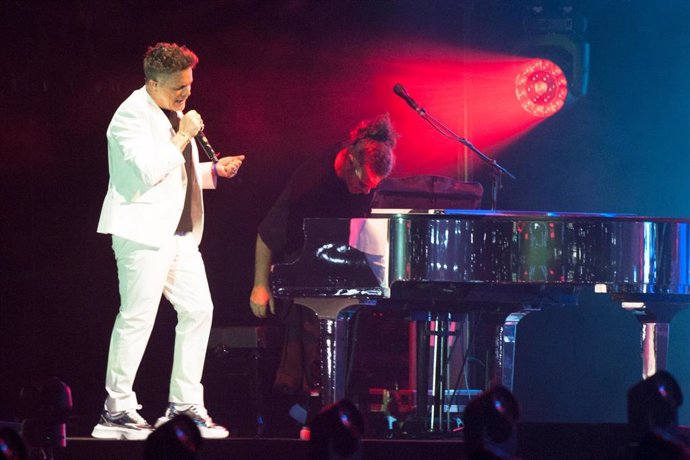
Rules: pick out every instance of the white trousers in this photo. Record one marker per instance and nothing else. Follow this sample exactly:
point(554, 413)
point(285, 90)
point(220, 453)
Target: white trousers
point(177, 271)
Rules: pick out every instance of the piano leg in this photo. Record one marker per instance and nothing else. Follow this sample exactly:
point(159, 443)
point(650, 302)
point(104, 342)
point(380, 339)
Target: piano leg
point(506, 336)
point(335, 337)
point(654, 342)
point(655, 317)
point(334, 323)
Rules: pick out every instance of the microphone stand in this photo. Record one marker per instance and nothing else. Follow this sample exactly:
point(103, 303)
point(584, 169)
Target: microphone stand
point(497, 171)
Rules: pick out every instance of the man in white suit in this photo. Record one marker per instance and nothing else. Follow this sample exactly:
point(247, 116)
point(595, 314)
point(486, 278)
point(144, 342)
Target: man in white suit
point(154, 211)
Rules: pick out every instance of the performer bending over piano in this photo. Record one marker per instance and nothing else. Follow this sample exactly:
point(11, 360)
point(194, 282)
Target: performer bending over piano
point(336, 185)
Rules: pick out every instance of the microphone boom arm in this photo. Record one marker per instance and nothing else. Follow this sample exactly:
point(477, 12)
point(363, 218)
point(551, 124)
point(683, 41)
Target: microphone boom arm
point(496, 169)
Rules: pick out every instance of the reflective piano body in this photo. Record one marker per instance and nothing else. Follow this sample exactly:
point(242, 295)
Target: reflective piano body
point(495, 261)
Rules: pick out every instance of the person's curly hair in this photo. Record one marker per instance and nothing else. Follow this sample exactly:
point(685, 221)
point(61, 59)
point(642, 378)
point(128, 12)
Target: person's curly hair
point(372, 142)
point(163, 59)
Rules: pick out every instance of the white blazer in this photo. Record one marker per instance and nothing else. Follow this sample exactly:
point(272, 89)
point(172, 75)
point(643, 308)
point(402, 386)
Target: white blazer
point(148, 181)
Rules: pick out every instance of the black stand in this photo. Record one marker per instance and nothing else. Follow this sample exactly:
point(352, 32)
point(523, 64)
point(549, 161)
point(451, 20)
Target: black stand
point(497, 170)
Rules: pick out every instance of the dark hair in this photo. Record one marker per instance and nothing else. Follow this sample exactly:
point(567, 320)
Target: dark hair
point(372, 142)
point(163, 59)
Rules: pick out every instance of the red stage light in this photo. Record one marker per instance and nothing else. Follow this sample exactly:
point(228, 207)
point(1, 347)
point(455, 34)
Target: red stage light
point(470, 91)
point(541, 88)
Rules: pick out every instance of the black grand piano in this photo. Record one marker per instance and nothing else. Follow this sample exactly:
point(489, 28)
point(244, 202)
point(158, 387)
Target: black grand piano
point(503, 263)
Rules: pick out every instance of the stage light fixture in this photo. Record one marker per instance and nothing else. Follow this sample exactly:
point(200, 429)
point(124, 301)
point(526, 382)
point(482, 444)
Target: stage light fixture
point(557, 32)
point(541, 87)
point(336, 432)
point(46, 409)
point(12, 445)
point(490, 424)
point(653, 406)
point(177, 439)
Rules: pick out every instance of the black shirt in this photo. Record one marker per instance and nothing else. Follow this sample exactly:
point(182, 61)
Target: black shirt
point(185, 225)
point(314, 190)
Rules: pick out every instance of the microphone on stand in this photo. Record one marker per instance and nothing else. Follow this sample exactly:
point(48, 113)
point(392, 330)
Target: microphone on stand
point(400, 91)
point(206, 146)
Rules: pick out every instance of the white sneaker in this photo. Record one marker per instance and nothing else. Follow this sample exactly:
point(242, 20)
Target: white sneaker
point(127, 424)
point(200, 417)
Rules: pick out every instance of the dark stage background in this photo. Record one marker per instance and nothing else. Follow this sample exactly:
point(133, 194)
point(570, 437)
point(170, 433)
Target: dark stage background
point(282, 80)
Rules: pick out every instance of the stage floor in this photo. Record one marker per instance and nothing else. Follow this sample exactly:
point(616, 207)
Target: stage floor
point(536, 441)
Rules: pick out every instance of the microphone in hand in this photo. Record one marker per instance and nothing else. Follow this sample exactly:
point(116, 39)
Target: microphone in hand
point(400, 91)
point(206, 146)
point(194, 119)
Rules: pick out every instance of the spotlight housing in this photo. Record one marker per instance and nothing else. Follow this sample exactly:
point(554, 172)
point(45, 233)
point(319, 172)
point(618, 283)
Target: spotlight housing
point(336, 432)
point(541, 87)
point(491, 424)
point(653, 405)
